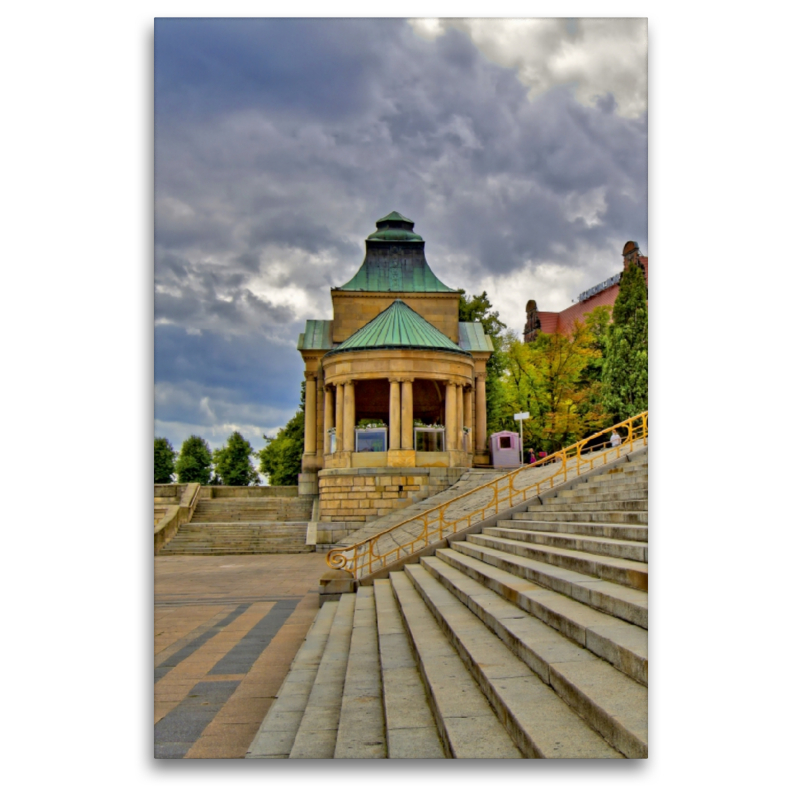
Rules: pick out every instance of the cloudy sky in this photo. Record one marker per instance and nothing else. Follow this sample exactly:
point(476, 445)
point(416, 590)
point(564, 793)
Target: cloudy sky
point(519, 148)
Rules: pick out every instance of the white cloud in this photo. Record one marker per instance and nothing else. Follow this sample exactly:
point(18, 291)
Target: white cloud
point(594, 56)
point(588, 206)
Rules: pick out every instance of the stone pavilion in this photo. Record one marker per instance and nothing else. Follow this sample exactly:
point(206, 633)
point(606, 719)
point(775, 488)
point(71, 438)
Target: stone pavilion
point(395, 384)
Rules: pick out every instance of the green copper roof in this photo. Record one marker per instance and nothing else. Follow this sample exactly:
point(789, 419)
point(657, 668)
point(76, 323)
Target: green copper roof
point(398, 327)
point(395, 227)
point(472, 338)
point(395, 235)
point(317, 335)
point(394, 217)
point(395, 260)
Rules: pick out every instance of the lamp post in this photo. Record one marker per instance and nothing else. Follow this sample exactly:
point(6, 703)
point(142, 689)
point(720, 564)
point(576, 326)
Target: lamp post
point(521, 416)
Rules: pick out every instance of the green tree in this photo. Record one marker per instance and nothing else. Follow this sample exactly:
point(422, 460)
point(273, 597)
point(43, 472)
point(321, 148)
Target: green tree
point(232, 462)
point(163, 461)
point(194, 461)
point(624, 373)
point(478, 309)
point(282, 456)
point(556, 379)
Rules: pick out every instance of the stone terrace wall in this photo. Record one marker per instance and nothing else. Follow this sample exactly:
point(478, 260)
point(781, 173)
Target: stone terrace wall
point(361, 495)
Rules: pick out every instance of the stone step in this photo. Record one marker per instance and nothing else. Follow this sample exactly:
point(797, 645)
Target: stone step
point(595, 494)
point(596, 545)
point(361, 730)
point(619, 601)
point(563, 682)
point(251, 546)
point(606, 491)
point(277, 732)
point(245, 526)
point(621, 531)
point(316, 734)
point(237, 543)
point(465, 720)
point(616, 570)
point(545, 514)
point(621, 476)
point(282, 551)
point(410, 725)
point(542, 723)
point(253, 537)
point(554, 506)
point(620, 643)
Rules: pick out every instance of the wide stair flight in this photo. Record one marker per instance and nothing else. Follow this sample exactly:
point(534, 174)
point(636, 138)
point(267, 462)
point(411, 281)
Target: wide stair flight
point(526, 640)
point(244, 526)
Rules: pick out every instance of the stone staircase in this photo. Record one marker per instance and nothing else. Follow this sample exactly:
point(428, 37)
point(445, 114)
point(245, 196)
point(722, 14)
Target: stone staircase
point(471, 479)
point(528, 640)
point(244, 526)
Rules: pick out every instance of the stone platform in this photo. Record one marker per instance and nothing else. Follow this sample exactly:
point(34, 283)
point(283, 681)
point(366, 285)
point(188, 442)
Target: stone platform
point(226, 630)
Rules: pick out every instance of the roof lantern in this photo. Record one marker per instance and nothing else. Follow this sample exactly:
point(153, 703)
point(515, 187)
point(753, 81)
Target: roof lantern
point(395, 260)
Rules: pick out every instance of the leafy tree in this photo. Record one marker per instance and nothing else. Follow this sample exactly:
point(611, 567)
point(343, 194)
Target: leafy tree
point(163, 461)
point(282, 456)
point(232, 462)
point(477, 309)
point(552, 379)
point(624, 373)
point(194, 461)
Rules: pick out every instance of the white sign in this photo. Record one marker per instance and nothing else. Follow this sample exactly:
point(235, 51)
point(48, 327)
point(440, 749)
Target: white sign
point(522, 415)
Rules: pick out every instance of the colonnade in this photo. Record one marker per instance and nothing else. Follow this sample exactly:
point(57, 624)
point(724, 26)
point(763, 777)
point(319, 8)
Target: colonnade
point(463, 404)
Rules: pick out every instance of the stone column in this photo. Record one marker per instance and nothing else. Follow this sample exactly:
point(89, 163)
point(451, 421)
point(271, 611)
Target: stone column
point(394, 414)
point(327, 423)
point(480, 413)
point(311, 414)
point(450, 416)
point(468, 417)
point(339, 417)
point(459, 417)
point(407, 428)
point(349, 416)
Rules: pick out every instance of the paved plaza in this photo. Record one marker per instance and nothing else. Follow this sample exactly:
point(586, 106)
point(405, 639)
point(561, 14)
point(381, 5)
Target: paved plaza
point(226, 631)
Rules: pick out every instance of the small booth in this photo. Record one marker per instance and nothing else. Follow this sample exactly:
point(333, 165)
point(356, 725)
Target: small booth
point(504, 447)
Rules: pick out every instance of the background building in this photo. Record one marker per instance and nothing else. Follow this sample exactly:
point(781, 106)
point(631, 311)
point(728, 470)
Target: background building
point(603, 294)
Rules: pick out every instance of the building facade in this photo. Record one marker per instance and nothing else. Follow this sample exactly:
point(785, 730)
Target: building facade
point(395, 384)
point(603, 294)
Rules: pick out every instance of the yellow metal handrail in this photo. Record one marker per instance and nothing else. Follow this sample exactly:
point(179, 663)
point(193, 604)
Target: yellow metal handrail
point(365, 557)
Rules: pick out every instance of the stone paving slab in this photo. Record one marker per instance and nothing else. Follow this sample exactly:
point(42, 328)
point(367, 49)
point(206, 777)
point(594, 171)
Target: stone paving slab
point(226, 630)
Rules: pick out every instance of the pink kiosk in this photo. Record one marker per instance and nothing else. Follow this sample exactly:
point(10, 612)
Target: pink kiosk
point(504, 447)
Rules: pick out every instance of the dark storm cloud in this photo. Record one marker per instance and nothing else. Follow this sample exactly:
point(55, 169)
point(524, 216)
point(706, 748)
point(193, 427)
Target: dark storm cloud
point(252, 369)
point(318, 67)
point(280, 142)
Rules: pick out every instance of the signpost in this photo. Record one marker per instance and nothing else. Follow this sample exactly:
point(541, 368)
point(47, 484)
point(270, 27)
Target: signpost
point(521, 416)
